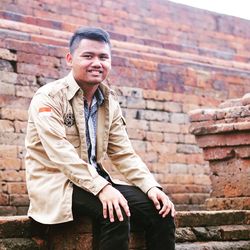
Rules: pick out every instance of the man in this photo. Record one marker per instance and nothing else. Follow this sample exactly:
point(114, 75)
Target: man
point(73, 123)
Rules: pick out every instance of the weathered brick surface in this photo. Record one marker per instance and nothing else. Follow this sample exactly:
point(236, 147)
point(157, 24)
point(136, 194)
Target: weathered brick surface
point(223, 134)
point(162, 68)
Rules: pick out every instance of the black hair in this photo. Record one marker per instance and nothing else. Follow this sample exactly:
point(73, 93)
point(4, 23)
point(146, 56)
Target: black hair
point(91, 33)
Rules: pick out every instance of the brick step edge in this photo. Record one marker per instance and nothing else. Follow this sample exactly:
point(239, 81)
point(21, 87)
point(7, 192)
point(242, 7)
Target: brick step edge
point(214, 245)
point(215, 233)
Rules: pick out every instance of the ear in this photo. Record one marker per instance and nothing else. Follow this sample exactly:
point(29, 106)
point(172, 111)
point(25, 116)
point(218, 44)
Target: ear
point(69, 59)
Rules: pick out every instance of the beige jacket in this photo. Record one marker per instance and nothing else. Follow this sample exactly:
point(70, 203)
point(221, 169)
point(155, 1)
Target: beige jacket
point(56, 149)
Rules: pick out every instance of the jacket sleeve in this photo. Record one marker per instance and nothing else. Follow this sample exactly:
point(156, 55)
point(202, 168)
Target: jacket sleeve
point(123, 156)
point(46, 115)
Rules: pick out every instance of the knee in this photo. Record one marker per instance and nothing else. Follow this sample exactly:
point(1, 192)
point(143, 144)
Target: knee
point(124, 223)
point(166, 222)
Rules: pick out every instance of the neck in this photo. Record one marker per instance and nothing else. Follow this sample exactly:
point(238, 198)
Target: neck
point(89, 92)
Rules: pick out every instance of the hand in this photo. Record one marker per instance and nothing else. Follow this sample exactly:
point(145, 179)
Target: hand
point(111, 200)
point(160, 198)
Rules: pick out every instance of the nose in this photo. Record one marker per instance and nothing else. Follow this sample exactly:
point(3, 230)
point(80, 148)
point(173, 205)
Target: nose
point(96, 62)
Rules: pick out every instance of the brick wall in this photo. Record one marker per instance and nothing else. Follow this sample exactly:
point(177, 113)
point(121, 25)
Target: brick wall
point(167, 60)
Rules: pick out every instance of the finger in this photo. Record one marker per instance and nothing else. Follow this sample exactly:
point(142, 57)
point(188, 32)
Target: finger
point(111, 214)
point(170, 207)
point(118, 211)
point(156, 202)
point(104, 210)
point(173, 212)
point(166, 212)
point(164, 207)
point(125, 207)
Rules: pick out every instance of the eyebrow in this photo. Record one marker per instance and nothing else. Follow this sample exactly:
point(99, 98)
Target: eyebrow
point(93, 53)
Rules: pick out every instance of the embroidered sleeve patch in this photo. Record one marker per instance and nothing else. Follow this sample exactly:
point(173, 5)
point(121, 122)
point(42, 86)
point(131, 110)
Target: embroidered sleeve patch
point(44, 111)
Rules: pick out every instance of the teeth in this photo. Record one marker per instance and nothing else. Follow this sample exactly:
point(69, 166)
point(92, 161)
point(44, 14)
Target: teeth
point(95, 71)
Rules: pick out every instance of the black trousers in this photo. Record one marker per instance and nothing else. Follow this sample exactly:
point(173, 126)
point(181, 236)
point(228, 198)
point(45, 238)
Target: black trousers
point(159, 232)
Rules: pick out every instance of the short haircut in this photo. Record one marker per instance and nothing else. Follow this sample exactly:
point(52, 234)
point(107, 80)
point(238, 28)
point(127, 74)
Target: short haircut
point(91, 33)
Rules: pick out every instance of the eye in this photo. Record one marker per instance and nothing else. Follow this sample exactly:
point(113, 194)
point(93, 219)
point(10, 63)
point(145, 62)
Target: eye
point(104, 57)
point(87, 56)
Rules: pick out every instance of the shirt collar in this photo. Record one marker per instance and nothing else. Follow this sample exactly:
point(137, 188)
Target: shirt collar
point(99, 97)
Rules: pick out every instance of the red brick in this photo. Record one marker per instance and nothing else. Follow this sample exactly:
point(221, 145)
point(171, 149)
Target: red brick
point(14, 114)
point(195, 159)
point(223, 140)
point(23, 79)
point(154, 136)
point(179, 118)
point(162, 148)
point(181, 158)
point(198, 169)
point(6, 210)
point(138, 134)
point(155, 105)
point(136, 103)
point(139, 146)
point(7, 55)
point(4, 199)
point(17, 188)
point(7, 89)
point(178, 168)
point(173, 107)
point(19, 200)
point(180, 198)
point(38, 59)
point(171, 137)
point(48, 40)
point(12, 176)
point(139, 124)
point(149, 157)
point(6, 126)
point(7, 101)
point(158, 95)
point(8, 151)
point(8, 77)
point(20, 127)
point(202, 115)
point(25, 91)
point(10, 163)
point(164, 127)
point(145, 65)
point(39, 70)
point(202, 180)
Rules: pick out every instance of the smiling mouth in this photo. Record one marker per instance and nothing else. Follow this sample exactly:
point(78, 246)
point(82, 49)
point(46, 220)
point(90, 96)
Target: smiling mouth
point(95, 71)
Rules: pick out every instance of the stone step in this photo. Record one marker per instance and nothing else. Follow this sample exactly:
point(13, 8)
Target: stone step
point(196, 230)
point(219, 233)
point(214, 245)
point(212, 218)
point(50, 28)
point(32, 244)
point(22, 244)
point(22, 226)
point(50, 37)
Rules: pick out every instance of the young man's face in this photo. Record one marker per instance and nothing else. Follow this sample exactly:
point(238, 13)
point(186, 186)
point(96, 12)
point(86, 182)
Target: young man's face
point(90, 62)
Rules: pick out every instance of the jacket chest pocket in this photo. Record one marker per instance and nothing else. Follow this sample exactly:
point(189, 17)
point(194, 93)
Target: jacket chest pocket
point(71, 130)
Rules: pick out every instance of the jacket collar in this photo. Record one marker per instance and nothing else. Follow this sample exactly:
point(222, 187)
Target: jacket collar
point(73, 87)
